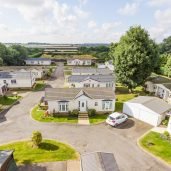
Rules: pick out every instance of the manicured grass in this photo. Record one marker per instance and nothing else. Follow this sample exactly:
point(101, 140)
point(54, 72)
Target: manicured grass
point(39, 85)
point(153, 143)
point(8, 100)
point(99, 118)
point(49, 151)
point(38, 114)
point(67, 72)
point(123, 95)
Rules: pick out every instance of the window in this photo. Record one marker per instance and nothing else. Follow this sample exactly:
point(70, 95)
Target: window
point(5, 81)
point(86, 85)
point(96, 104)
point(106, 105)
point(63, 106)
point(98, 85)
point(92, 85)
point(13, 81)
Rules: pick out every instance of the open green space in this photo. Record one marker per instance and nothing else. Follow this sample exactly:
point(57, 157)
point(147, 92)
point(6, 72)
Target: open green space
point(155, 144)
point(48, 151)
point(39, 115)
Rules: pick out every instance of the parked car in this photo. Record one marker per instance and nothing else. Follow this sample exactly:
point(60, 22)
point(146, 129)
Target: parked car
point(116, 118)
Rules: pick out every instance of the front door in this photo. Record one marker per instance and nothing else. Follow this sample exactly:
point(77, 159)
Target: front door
point(83, 105)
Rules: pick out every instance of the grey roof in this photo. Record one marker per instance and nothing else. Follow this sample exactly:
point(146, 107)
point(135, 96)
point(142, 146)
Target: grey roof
point(4, 155)
point(167, 85)
point(95, 71)
point(19, 75)
point(154, 103)
point(156, 79)
point(99, 78)
point(71, 93)
point(98, 161)
point(38, 59)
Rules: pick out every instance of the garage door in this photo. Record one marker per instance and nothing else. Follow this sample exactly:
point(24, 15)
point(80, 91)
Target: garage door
point(148, 117)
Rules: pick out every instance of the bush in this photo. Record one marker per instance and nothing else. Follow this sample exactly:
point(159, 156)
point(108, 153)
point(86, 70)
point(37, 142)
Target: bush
point(36, 138)
point(91, 112)
point(165, 122)
point(75, 112)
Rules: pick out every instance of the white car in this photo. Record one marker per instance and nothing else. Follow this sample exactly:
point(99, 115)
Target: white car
point(116, 118)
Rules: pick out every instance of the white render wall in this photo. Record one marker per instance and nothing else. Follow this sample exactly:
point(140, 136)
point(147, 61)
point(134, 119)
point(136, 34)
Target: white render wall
point(79, 62)
point(91, 82)
point(74, 104)
point(20, 83)
point(142, 113)
point(37, 62)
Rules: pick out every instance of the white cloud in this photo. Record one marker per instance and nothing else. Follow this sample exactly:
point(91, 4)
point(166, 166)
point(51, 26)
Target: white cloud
point(162, 27)
point(129, 9)
point(92, 24)
point(159, 3)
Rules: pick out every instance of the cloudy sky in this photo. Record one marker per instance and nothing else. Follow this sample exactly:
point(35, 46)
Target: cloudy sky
point(80, 21)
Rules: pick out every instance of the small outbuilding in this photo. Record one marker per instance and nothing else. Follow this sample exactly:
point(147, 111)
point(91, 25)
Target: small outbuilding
point(151, 110)
point(7, 162)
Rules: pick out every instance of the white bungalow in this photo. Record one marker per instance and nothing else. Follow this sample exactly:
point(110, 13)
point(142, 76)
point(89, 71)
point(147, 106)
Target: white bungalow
point(38, 61)
point(67, 99)
point(94, 81)
point(17, 79)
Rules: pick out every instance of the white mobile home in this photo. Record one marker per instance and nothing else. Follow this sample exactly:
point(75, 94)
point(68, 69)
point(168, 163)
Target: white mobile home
point(91, 71)
point(151, 110)
point(38, 61)
point(17, 79)
point(67, 99)
point(94, 81)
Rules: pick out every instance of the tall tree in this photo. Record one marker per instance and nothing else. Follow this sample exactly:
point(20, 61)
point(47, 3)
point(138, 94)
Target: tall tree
point(165, 46)
point(135, 57)
point(167, 67)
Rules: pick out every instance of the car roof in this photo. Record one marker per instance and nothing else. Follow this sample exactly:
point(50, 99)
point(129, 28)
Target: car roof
point(115, 114)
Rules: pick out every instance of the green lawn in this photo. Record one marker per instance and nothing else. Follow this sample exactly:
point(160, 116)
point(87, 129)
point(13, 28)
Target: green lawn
point(98, 118)
point(8, 100)
point(153, 143)
point(49, 151)
point(40, 85)
point(38, 114)
point(68, 72)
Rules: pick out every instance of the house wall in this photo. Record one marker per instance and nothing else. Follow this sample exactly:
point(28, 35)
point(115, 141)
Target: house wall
point(74, 104)
point(92, 83)
point(79, 62)
point(142, 113)
point(20, 82)
point(31, 62)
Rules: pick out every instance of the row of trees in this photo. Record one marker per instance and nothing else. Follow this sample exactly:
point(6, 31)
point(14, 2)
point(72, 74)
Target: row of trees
point(100, 52)
point(16, 54)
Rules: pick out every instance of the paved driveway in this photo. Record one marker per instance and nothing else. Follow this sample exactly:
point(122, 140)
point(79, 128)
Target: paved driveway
point(121, 141)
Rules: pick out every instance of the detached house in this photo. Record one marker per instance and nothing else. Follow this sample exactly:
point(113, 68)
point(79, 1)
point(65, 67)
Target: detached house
point(38, 61)
point(80, 81)
point(38, 73)
point(161, 87)
point(17, 79)
point(80, 60)
point(64, 100)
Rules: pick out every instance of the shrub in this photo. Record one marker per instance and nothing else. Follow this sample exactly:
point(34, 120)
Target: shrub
point(36, 138)
point(75, 112)
point(91, 112)
point(165, 122)
point(5, 97)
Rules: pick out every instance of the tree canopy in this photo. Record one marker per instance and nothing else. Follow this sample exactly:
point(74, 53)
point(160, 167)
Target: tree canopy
point(165, 46)
point(135, 57)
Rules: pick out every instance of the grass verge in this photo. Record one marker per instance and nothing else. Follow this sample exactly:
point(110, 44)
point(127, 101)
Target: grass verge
point(48, 151)
point(38, 114)
point(156, 145)
point(98, 118)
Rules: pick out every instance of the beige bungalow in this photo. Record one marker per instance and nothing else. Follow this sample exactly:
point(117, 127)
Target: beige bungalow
point(63, 100)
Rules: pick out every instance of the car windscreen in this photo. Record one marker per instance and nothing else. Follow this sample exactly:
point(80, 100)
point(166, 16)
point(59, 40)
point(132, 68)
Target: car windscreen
point(111, 118)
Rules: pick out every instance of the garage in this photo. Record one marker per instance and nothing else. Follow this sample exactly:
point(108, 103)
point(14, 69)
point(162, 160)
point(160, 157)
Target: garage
point(151, 110)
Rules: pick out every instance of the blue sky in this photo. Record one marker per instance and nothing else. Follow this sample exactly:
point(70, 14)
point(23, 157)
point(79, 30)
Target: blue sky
point(81, 21)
